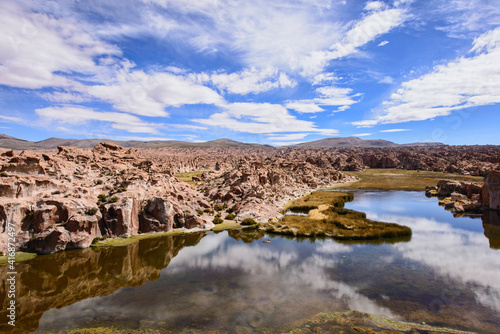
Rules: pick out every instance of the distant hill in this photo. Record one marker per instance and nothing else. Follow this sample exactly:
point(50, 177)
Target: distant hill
point(52, 143)
point(347, 142)
point(424, 144)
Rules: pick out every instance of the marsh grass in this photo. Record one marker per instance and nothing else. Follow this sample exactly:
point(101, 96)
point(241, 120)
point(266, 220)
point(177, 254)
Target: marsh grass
point(328, 218)
point(401, 179)
point(121, 242)
point(188, 176)
point(20, 256)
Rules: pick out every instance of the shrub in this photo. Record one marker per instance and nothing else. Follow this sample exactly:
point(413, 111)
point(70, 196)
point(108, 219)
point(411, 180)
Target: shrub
point(113, 199)
point(98, 181)
point(218, 220)
point(91, 211)
point(102, 198)
point(122, 171)
point(3, 174)
point(230, 216)
point(248, 221)
point(218, 208)
point(199, 212)
point(230, 210)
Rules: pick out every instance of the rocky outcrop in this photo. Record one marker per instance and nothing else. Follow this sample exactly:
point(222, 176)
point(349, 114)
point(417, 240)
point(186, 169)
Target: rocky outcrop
point(258, 188)
point(64, 200)
point(490, 194)
point(463, 197)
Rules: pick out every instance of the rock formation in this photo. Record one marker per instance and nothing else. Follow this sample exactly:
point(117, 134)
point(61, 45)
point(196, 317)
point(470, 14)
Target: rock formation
point(64, 200)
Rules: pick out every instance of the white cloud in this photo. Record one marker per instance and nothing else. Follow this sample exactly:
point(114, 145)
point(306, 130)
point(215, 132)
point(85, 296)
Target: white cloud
point(37, 50)
point(328, 96)
point(250, 80)
point(144, 138)
point(66, 97)
point(291, 136)
point(285, 143)
point(383, 43)
point(11, 119)
point(462, 83)
point(324, 78)
point(466, 17)
point(304, 107)
point(148, 94)
point(78, 116)
point(362, 134)
point(260, 118)
point(395, 130)
point(374, 5)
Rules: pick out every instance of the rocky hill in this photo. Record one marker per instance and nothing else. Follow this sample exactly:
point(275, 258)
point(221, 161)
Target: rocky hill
point(13, 143)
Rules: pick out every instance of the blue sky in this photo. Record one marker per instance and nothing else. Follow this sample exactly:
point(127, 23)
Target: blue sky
point(271, 72)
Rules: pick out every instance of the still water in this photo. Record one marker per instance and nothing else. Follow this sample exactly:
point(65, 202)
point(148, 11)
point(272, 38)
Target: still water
point(448, 274)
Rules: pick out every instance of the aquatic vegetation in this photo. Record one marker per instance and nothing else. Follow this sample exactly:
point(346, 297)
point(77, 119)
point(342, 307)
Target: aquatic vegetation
point(327, 217)
point(401, 179)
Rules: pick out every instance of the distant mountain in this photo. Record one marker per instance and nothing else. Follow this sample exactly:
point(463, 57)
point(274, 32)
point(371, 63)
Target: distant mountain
point(424, 144)
point(347, 142)
point(52, 143)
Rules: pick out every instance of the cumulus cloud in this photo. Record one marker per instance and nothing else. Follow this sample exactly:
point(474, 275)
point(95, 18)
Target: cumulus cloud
point(290, 136)
point(247, 81)
point(304, 107)
point(395, 130)
point(37, 50)
point(462, 83)
point(327, 96)
point(78, 116)
point(260, 118)
point(145, 94)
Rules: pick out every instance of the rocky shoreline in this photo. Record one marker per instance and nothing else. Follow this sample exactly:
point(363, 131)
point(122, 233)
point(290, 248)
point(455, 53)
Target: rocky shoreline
point(468, 197)
point(66, 199)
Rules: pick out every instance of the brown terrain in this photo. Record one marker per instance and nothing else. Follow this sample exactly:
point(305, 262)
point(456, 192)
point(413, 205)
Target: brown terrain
point(65, 198)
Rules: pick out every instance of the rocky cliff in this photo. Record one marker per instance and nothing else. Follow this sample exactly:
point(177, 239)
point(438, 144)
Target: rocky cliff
point(64, 200)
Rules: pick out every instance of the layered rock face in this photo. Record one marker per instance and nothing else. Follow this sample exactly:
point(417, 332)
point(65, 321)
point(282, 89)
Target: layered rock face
point(257, 189)
point(491, 191)
point(63, 200)
point(473, 160)
point(469, 196)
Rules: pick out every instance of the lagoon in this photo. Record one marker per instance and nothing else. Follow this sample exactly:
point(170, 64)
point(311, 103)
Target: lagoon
point(447, 274)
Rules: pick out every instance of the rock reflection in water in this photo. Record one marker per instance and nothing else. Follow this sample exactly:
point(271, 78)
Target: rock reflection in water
point(61, 279)
point(491, 225)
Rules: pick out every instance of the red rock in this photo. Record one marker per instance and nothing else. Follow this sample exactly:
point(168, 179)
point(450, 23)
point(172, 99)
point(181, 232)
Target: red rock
point(491, 190)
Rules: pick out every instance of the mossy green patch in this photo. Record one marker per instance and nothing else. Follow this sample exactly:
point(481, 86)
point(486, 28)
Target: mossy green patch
point(188, 176)
point(357, 322)
point(226, 225)
point(327, 218)
point(20, 256)
point(121, 242)
point(401, 179)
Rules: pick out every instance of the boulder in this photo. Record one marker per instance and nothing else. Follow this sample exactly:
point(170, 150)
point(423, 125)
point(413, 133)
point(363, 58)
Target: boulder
point(491, 191)
point(157, 216)
point(121, 219)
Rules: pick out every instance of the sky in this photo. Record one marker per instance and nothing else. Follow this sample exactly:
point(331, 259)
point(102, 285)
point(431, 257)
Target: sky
point(275, 72)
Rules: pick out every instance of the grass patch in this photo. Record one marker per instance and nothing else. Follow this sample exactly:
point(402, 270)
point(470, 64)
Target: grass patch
point(358, 322)
point(20, 256)
point(328, 218)
point(109, 330)
point(401, 179)
point(121, 242)
point(188, 176)
point(226, 225)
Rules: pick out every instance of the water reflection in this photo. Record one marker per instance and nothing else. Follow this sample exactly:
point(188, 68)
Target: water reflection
point(61, 279)
point(447, 274)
